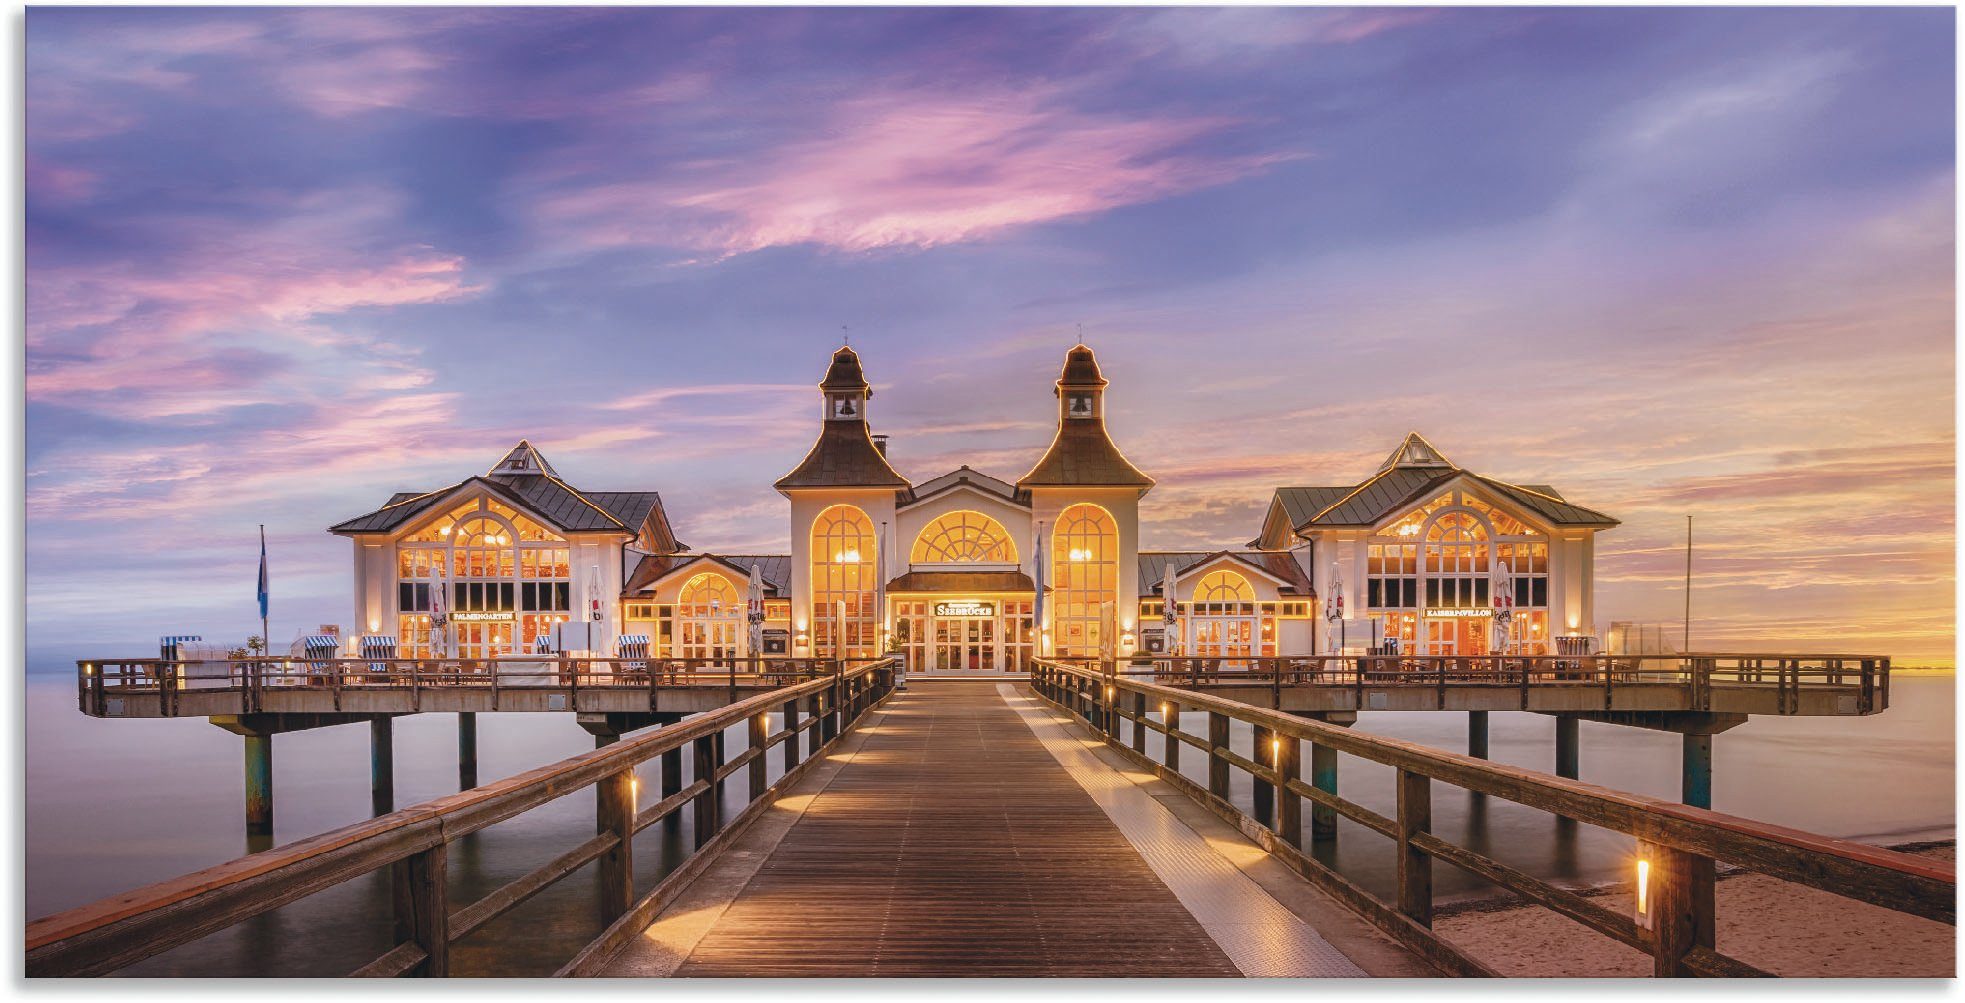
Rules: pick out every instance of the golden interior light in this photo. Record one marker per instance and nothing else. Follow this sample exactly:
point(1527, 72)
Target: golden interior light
point(846, 557)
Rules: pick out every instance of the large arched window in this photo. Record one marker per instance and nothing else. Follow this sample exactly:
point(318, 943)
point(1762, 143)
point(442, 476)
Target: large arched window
point(1223, 621)
point(1084, 580)
point(509, 581)
point(708, 614)
point(842, 583)
point(1456, 561)
point(1223, 586)
point(964, 538)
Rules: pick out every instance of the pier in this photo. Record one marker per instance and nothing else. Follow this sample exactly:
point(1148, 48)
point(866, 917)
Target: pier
point(927, 827)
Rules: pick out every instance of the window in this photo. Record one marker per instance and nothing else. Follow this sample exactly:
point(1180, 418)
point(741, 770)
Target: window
point(1456, 561)
point(492, 559)
point(709, 616)
point(1084, 580)
point(1223, 587)
point(842, 584)
point(964, 538)
point(1391, 575)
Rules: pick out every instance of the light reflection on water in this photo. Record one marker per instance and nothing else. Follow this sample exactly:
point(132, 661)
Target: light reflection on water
point(113, 805)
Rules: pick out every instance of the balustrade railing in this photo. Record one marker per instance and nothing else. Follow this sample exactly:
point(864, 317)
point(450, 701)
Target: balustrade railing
point(1680, 845)
point(115, 933)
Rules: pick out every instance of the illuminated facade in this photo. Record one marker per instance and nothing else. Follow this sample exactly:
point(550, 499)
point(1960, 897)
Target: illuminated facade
point(967, 573)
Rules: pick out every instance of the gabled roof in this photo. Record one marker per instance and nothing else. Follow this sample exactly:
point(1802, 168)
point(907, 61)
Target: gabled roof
point(775, 569)
point(844, 456)
point(1153, 566)
point(1413, 472)
point(965, 476)
point(525, 480)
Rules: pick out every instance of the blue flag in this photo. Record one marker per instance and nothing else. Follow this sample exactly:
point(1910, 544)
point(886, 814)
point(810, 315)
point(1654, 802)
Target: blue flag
point(262, 573)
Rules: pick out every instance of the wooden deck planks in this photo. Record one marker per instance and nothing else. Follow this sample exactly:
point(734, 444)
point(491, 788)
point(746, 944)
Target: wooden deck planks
point(955, 845)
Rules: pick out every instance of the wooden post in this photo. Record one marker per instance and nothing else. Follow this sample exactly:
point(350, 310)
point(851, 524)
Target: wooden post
point(792, 736)
point(418, 890)
point(381, 766)
point(614, 811)
point(1217, 766)
point(1139, 723)
point(706, 803)
point(1323, 776)
point(1265, 793)
point(672, 784)
point(259, 785)
point(1289, 765)
point(760, 727)
point(467, 751)
point(1477, 734)
point(1415, 871)
point(1696, 771)
point(1567, 742)
point(1682, 908)
point(1171, 711)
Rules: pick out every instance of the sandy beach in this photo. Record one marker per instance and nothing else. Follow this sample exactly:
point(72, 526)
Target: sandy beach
point(1774, 925)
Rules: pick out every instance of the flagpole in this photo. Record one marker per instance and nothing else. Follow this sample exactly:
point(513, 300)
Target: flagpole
point(265, 634)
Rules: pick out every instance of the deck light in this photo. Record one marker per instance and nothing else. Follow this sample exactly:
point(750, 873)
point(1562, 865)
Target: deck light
point(1643, 889)
point(1276, 752)
point(88, 670)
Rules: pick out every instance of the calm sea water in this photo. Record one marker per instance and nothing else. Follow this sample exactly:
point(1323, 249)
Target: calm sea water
point(114, 805)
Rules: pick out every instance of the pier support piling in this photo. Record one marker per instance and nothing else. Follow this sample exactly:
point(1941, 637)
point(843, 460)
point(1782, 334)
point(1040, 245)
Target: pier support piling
point(467, 751)
point(1696, 785)
point(1477, 734)
point(382, 765)
point(1568, 738)
point(259, 785)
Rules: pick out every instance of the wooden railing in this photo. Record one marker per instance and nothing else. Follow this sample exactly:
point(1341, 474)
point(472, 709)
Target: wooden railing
point(1866, 677)
point(117, 932)
point(165, 681)
point(1680, 844)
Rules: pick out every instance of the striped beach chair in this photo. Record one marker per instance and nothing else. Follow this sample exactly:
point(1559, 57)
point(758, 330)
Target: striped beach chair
point(378, 646)
point(632, 649)
point(167, 649)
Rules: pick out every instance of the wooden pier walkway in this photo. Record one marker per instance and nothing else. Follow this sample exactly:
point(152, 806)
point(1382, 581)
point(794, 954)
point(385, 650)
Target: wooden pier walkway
point(950, 840)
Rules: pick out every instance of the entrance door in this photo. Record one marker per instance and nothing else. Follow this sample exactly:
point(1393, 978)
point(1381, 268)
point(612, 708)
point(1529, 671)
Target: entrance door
point(966, 644)
point(1463, 635)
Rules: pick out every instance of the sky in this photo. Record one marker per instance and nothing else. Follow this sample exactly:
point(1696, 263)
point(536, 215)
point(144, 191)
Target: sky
point(281, 263)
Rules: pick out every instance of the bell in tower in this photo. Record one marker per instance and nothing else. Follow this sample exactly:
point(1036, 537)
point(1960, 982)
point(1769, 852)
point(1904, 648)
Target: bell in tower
point(845, 387)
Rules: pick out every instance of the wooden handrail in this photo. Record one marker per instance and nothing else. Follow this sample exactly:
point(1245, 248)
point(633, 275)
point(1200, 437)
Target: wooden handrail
point(1687, 841)
point(121, 930)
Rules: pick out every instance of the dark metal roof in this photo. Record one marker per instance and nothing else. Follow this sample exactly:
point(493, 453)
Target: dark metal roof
point(844, 456)
point(965, 475)
point(1402, 483)
point(1153, 567)
point(962, 581)
point(1080, 369)
point(845, 372)
point(1083, 454)
point(775, 569)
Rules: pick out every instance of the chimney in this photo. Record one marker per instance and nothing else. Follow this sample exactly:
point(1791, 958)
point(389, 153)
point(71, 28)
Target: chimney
point(880, 443)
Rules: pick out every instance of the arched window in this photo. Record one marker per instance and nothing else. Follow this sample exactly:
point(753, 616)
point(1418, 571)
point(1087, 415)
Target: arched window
point(964, 538)
point(511, 576)
point(708, 613)
point(1456, 561)
point(842, 573)
point(1223, 586)
point(1084, 581)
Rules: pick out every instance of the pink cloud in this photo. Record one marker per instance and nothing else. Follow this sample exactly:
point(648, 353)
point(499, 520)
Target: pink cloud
point(908, 170)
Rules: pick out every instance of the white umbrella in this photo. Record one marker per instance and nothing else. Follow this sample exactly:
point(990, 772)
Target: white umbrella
point(880, 590)
point(1169, 611)
point(1334, 610)
point(1503, 598)
point(754, 610)
point(593, 604)
point(439, 615)
point(1037, 598)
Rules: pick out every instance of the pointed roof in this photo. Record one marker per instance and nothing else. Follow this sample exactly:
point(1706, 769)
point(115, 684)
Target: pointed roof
point(844, 456)
point(1082, 454)
point(1282, 568)
point(1415, 452)
point(1080, 368)
point(521, 459)
point(845, 373)
point(652, 569)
